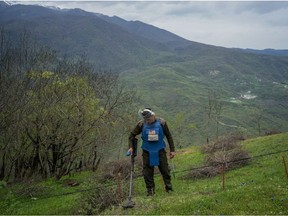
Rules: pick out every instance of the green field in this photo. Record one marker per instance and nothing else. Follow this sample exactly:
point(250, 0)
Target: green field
point(259, 188)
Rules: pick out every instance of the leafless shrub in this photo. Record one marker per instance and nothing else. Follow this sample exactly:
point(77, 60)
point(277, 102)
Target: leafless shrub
point(204, 172)
point(233, 158)
point(223, 143)
point(112, 169)
point(105, 195)
point(272, 131)
point(99, 199)
point(226, 151)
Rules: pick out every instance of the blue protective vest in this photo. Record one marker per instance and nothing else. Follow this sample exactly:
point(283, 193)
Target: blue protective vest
point(153, 141)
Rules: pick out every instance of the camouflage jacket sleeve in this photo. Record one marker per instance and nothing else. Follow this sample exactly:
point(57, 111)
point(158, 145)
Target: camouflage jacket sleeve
point(137, 130)
point(168, 135)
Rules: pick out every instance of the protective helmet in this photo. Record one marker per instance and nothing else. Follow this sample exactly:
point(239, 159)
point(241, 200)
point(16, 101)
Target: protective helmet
point(146, 113)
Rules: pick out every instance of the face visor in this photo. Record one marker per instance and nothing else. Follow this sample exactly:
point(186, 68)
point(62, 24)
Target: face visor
point(146, 113)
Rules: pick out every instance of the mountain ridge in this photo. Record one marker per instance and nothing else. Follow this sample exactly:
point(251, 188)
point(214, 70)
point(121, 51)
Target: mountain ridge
point(178, 73)
point(105, 43)
point(136, 27)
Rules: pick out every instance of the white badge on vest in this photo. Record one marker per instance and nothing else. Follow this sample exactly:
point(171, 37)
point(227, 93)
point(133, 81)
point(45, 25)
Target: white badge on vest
point(153, 136)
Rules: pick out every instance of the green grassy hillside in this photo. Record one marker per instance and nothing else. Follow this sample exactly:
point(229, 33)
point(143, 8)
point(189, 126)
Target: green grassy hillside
point(245, 92)
point(257, 188)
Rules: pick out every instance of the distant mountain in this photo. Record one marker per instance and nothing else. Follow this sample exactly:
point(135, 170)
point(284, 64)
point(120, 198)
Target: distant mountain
point(3, 4)
point(106, 41)
point(269, 52)
point(172, 75)
point(144, 30)
point(10, 13)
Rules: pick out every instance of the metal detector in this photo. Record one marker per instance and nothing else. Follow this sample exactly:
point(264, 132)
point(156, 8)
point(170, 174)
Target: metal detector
point(130, 203)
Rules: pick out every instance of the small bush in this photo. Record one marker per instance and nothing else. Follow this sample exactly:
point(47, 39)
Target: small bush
point(204, 172)
point(226, 150)
point(223, 144)
point(3, 184)
point(272, 132)
point(232, 159)
point(32, 190)
point(99, 199)
point(110, 170)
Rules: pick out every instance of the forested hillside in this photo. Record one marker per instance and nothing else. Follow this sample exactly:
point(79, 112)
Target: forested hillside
point(72, 83)
point(57, 115)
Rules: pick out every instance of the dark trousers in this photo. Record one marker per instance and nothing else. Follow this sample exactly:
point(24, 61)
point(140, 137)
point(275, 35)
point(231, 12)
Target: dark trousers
point(148, 171)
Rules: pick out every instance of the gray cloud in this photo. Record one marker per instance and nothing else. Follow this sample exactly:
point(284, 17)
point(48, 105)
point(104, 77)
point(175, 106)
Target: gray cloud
point(262, 7)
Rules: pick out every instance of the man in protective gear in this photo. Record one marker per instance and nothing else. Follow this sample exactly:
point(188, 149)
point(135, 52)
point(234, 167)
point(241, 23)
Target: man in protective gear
point(153, 131)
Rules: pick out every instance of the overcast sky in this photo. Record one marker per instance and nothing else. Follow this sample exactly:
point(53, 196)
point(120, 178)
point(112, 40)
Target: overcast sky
point(241, 24)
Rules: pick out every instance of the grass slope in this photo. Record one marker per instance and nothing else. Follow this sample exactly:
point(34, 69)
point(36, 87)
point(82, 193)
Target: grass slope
point(258, 188)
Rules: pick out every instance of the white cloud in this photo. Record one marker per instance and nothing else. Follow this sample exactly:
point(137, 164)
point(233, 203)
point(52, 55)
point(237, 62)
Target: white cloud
point(243, 24)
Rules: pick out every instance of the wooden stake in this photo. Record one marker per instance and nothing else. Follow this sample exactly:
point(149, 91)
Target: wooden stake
point(119, 184)
point(223, 176)
point(284, 161)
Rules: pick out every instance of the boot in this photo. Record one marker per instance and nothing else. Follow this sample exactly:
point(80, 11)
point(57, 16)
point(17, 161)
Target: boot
point(168, 188)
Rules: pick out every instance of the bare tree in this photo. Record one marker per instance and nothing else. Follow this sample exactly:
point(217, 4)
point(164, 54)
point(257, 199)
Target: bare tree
point(55, 123)
point(218, 111)
point(213, 112)
point(257, 115)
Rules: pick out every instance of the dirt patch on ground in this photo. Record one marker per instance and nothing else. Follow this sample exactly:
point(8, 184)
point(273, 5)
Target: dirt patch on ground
point(186, 151)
